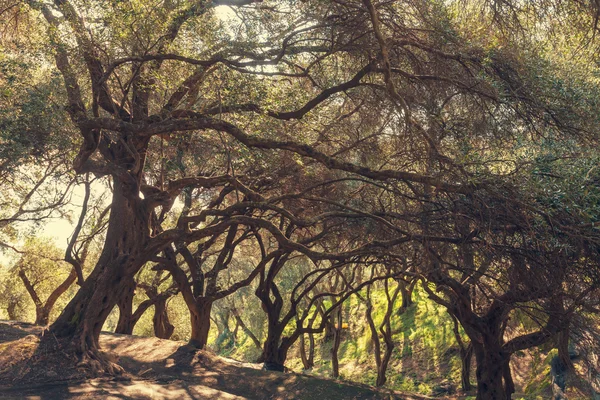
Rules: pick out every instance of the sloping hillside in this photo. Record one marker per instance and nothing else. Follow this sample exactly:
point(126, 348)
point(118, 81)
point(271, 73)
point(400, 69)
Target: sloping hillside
point(158, 369)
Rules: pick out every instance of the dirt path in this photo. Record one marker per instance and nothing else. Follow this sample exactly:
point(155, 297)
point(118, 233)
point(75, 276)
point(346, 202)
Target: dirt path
point(163, 369)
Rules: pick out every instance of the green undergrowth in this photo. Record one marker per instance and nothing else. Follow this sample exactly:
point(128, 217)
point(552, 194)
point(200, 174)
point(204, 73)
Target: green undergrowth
point(425, 358)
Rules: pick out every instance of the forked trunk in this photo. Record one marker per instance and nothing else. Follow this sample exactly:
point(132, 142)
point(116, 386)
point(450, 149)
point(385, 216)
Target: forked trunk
point(43, 309)
point(308, 357)
point(122, 256)
point(247, 331)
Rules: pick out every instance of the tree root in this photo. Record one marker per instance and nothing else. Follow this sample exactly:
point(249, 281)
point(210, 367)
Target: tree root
point(52, 359)
point(94, 364)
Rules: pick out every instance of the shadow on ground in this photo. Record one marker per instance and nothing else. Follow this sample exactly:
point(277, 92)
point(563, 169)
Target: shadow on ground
point(161, 369)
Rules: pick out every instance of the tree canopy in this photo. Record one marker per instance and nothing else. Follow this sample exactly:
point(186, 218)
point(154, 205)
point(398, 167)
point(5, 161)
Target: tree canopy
point(313, 152)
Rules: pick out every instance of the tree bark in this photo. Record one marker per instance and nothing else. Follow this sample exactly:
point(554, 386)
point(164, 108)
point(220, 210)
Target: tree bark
point(382, 368)
point(273, 358)
point(491, 363)
point(56, 293)
point(308, 357)
point(122, 256)
point(11, 310)
point(246, 330)
point(466, 355)
point(406, 294)
point(126, 323)
point(200, 320)
point(509, 384)
point(563, 350)
point(163, 328)
point(337, 338)
point(43, 309)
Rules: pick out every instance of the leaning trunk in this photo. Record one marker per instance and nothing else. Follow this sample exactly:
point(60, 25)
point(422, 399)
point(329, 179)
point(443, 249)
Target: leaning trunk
point(43, 314)
point(247, 331)
point(122, 256)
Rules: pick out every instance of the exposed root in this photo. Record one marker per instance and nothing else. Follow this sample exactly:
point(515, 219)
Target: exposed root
point(97, 364)
point(49, 359)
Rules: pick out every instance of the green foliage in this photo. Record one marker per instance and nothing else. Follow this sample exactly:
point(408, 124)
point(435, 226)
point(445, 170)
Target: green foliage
point(33, 122)
point(43, 267)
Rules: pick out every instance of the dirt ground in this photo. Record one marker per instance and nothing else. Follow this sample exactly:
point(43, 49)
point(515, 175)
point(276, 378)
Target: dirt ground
point(157, 369)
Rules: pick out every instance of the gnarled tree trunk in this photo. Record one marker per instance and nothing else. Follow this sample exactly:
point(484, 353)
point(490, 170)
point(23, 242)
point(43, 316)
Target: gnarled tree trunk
point(122, 256)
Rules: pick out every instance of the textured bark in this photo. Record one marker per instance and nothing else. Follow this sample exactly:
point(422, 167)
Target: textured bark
point(122, 256)
point(466, 355)
point(406, 292)
point(563, 350)
point(329, 329)
point(273, 359)
point(490, 371)
point(385, 329)
point(163, 328)
point(56, 293)
point(126, 321)
point(200, 322)
point(509, 384)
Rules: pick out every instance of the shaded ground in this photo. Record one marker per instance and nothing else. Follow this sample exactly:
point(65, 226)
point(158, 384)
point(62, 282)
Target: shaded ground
point(156, 369)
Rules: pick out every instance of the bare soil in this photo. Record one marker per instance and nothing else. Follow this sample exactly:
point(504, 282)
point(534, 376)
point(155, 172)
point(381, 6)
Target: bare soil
point(154, 369)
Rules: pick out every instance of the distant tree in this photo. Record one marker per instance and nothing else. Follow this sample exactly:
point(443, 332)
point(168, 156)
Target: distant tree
point(33, 269)
point(381, 330)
